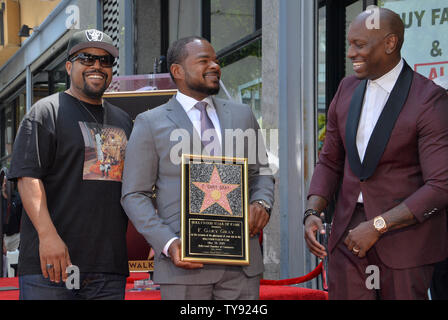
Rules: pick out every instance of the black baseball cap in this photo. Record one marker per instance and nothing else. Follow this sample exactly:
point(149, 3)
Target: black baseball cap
point(91, 38)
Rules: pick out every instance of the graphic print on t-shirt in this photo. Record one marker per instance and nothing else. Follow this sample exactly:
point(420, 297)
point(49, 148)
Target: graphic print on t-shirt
point(104, 151)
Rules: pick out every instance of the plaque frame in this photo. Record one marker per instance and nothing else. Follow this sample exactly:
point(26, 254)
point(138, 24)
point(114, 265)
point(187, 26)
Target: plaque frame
point(241, 220)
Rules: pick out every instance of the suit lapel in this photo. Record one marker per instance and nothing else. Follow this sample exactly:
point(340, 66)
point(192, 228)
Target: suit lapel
point(225, 118)
point(180, 118)
point(386, 122)
point(351, 128)
point(383, 128)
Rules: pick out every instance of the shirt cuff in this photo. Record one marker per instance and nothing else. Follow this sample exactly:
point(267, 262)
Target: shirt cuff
point(167, 246)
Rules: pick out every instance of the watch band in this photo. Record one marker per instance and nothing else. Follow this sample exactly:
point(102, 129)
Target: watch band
point(264, 204)
point(310, 212)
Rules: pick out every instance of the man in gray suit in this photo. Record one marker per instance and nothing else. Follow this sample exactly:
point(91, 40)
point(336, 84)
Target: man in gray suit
point(151, 167)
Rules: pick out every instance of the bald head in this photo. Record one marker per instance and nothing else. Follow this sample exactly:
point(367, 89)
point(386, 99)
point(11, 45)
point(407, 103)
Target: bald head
point(389, 23)
point(375, 41)
point(393, 24)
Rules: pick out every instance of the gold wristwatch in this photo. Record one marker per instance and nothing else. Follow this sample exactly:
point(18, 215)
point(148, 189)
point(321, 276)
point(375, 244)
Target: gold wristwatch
point(380, 224)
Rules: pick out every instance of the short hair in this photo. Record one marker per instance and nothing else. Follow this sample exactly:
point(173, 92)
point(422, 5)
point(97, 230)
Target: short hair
point(394, 24)
point(177, 52)
point(390, 21)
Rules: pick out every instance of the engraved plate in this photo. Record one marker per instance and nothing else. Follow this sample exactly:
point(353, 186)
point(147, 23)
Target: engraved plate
point(214, 224)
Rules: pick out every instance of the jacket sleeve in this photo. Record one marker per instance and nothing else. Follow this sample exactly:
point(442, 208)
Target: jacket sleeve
point(261, 181)
point(139, 176)
point(330, 166)
point(432, 133)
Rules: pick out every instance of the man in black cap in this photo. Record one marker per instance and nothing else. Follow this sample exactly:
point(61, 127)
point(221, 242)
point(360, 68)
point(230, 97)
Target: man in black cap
point(74, 217)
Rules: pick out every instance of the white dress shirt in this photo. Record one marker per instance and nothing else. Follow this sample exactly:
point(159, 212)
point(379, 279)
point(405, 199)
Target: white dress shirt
point(194, 114)
point(375, 98)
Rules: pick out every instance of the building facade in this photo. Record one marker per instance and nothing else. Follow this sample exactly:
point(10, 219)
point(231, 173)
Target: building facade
point(285, 58)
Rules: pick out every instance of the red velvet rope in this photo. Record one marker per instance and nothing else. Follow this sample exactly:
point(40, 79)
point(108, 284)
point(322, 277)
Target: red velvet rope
point(313, 274)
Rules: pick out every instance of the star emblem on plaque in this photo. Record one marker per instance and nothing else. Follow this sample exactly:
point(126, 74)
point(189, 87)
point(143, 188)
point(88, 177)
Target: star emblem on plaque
point(216, 192)
point(214, 212)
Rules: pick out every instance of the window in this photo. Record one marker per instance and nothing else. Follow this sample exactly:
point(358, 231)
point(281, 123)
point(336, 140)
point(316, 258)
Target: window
point(230, 21)
point(351, 12)
point(321, 79)
point(20, 109)
point(234, 29)
point(2, 27)
point(10, 117)
point(426, 29)
point(334, 18)
point(241, 76)
point(40, 86)
point(58, 80)
point(7, 131)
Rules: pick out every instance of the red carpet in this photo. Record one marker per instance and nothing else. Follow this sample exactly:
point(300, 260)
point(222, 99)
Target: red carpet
point(267, 292)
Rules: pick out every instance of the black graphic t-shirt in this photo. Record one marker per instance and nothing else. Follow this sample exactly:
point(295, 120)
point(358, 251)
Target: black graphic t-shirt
point(77, 150)
point(105, 148)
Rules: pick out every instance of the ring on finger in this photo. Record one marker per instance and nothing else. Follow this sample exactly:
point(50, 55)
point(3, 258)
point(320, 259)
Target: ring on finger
point(49, 266)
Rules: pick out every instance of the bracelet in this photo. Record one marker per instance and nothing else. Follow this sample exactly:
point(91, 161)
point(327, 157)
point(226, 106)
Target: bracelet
point(310, 212)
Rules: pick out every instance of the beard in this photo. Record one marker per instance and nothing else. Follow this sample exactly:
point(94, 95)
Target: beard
point(95, 92)
point(208, 91)
point(199, 87)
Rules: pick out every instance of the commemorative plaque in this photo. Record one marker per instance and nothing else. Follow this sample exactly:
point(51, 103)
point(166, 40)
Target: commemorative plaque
point(214, 223)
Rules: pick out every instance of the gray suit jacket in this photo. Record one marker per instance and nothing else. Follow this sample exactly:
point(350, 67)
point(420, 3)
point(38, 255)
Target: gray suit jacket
point(148, 164)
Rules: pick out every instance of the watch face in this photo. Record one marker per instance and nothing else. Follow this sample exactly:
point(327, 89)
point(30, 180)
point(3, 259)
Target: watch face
point(379, 224)
point(266, 205)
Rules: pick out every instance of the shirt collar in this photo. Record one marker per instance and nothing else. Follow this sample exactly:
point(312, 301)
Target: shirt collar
point(188, 102)
point(387, 81)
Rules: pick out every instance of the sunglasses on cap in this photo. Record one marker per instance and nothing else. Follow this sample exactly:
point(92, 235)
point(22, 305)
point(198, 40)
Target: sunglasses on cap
point(90, 59)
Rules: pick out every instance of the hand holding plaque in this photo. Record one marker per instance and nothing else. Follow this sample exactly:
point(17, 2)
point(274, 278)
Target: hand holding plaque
point(175, 256)
point(258, 219)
